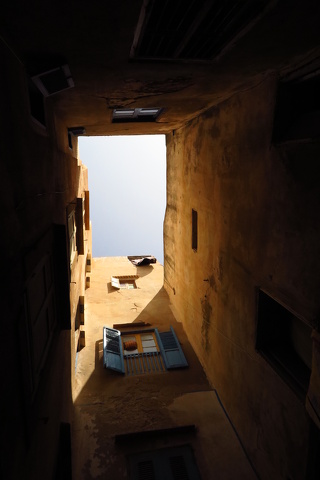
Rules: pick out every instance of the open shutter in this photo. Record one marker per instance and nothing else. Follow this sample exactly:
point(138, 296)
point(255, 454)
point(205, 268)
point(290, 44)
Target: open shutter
point(112, 350)
point(171, 351)
point(115, 282)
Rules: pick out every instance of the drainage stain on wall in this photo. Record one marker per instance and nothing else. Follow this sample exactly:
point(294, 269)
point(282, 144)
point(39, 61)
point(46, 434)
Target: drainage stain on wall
point(206, 309)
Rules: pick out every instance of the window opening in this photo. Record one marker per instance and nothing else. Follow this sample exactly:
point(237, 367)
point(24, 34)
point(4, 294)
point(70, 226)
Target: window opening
point(139, 343)
point(285, 342)
point(124, 282)
point(37, 109)
point(140, 352)
point(297, 113)
point(194, 230)
point(54, 80)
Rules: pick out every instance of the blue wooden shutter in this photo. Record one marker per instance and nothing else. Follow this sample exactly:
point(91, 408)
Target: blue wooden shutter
point(112, 350)
point(170, 349)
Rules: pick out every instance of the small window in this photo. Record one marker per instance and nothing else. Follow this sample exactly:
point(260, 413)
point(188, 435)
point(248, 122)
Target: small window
point(285, 342)
point(53, 81)
point(87, 209)
point(124, 282)
point(194, 230)
point(173, 463)
point(297, 113)
point(37, 109)
point(121, 115)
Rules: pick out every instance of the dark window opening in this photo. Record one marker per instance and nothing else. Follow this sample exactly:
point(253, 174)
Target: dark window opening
point(36, 105)
point(122, 115)
point(175, 463)
point(54, 80)
point(194, 230)
point(297, 114)
point(285, 342)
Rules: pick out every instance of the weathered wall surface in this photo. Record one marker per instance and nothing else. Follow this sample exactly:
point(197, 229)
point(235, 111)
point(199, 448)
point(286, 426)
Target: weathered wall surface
point(108, 403)
point(40, 176)
point(258, 225)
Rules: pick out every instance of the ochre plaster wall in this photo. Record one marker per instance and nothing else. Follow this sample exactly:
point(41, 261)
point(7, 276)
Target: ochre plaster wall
point(107, 403)
point(258, 225)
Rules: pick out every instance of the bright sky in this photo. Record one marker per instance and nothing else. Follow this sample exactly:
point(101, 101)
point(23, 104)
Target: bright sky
point(127, 183)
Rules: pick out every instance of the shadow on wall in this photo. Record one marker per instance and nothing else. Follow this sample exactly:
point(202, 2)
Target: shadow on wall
point(111, 403)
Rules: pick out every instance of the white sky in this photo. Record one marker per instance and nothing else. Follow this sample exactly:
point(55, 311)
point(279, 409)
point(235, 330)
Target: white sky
point(127, 183)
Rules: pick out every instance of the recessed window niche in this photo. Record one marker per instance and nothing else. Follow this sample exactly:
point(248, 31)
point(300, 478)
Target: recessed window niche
point(284, 340)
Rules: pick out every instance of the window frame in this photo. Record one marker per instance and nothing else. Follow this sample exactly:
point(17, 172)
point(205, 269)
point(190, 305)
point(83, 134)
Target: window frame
point(121, 282)
point(168, 343)
point(170, 463)
point(141, 114)
point(138, 338)
point(275, 342)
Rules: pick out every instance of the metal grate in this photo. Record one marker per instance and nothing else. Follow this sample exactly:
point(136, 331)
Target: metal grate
point(143, 363)
point(198, 29)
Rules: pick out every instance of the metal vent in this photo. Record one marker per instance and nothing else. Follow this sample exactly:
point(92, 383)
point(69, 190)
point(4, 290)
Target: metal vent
point(54, 80)
point(123, 115)
point(194, 30)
